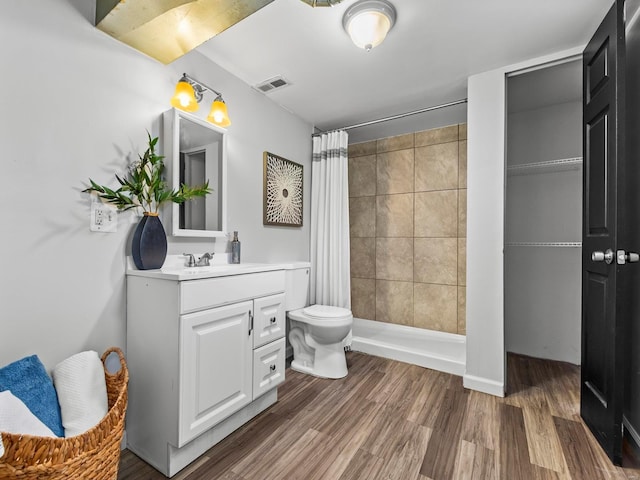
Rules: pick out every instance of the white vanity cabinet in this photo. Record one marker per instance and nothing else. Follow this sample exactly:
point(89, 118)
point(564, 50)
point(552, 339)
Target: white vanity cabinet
point(204, 356)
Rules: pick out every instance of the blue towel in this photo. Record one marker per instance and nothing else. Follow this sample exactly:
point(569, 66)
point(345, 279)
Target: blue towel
point(28, 380)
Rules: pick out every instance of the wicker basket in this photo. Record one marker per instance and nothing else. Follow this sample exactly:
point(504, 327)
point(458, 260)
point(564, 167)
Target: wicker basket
point(93, 455)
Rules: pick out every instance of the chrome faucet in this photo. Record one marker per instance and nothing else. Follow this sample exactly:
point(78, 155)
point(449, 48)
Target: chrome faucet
point(191, 261)
point(203, 261)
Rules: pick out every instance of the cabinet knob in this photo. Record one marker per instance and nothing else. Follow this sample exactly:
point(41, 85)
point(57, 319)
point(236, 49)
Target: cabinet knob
point(272, 368)
point(273, 319)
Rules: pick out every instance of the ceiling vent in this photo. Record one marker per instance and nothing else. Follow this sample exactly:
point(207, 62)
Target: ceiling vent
point(275, 83)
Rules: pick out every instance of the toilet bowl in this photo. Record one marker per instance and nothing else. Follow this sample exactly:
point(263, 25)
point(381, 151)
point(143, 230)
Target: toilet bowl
point(316, 336)
point(316, 332)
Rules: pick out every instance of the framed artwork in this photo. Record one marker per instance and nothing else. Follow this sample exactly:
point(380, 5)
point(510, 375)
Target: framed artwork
point(282, 192)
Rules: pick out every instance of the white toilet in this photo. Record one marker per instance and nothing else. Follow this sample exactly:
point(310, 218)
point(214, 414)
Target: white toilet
point(316, 332)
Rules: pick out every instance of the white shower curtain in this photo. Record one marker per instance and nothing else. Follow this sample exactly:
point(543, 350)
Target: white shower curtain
point(330, 282)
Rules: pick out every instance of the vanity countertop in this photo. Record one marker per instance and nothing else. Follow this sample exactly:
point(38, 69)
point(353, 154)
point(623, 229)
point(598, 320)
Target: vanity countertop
point(174, 269)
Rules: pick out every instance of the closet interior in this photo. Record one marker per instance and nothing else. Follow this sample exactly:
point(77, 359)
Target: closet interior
point(543, 212)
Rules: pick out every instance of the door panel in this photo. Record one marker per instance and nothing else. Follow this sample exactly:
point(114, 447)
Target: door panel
point(597, 70)
point(597, 174)
point(596, 353)
point(215, 367)
point(604, 309)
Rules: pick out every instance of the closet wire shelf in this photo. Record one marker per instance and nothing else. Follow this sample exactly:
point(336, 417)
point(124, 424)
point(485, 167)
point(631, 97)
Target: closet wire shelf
point(563, 164)
point(544, 244)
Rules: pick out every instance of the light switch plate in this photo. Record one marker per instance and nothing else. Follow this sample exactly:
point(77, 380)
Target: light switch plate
point(104, 218)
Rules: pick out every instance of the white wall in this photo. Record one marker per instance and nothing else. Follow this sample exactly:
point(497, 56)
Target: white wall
point(486, 112)
point(76, 104)
point(546, 133)
point(485, 233)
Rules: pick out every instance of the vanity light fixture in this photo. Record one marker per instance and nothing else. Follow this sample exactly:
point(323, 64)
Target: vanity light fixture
point(368, 21)
point(189, 93)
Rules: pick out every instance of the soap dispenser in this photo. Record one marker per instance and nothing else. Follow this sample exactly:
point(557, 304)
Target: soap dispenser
point(235, 249)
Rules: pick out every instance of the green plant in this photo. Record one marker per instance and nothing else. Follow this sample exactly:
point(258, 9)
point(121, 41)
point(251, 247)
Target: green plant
point(144, 186)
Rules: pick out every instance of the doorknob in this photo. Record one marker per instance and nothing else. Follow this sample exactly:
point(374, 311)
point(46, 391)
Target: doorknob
point(624, 257)
point(606, 256)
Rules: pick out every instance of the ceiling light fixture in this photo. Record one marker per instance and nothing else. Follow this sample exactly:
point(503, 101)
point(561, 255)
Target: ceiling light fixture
point(368, 21)
point(189, 93)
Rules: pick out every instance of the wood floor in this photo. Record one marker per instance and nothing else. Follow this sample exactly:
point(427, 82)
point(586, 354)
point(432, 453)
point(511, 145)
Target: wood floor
point(391, 420)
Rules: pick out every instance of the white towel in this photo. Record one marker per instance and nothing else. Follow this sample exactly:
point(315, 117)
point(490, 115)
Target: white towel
point(15, 417)
point(82, 392)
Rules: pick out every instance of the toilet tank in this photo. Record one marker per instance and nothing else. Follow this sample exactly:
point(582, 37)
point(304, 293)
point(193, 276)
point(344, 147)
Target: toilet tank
point(297, 285)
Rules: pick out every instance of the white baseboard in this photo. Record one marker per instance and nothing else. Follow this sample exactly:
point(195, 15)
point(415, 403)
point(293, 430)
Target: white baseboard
point(441, 351)
point(484, 385)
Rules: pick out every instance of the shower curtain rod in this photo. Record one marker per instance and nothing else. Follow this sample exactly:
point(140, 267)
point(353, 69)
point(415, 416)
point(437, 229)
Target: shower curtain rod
point(395, 117)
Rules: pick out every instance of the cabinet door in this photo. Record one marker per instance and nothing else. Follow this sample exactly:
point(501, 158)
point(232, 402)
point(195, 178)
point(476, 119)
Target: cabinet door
point(268, 367)
point(215, 367)
point(269, 322)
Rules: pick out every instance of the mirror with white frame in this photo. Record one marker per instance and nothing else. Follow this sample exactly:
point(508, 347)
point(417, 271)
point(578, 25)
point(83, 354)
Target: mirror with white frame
point(195, 152)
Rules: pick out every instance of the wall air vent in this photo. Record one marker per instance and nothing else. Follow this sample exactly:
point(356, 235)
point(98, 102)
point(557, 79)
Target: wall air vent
point(272, 84)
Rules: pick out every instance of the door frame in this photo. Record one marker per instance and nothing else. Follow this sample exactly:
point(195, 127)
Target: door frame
point(486, 181)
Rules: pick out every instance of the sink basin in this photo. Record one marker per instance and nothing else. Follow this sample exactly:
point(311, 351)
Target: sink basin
point(219, 269)
point(208, 269)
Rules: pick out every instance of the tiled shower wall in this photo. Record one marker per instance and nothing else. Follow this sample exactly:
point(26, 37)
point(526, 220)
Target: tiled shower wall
point(407, 208)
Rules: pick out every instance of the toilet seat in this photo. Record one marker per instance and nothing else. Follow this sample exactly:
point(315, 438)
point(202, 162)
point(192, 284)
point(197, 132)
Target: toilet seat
point(322, 315)
point(326, 311)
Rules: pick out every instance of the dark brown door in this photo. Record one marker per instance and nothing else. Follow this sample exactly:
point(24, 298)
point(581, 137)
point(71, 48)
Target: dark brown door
point(604, 310)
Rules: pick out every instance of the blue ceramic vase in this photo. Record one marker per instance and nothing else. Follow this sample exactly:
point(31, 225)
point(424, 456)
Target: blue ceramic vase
point(149, 245)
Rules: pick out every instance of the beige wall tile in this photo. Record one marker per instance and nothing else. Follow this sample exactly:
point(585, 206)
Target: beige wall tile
point(363, 298)
point(462, 261)
point(436, 167)
point(394, 215)
point(462, 310)
point(462, 212)
point(437, 135)
point(394, 172)
point(363, 257)
point(364, 148)
point(362, 216)
point(435, 260)
point(462, 164)
point(436, 214)
point(408, 229)
point(399, 142)
point(436, 307)
point(394, 302)
point(462, 131)
point(394, 259)
point(362, 176)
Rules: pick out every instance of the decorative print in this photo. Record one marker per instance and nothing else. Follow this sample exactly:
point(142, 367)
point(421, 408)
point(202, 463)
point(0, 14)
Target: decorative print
point(282, 191)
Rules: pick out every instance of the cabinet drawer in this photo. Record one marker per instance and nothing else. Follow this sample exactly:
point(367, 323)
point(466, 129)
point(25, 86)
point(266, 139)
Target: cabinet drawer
point(210, 292)
point(268, 367)
point(268, 319)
